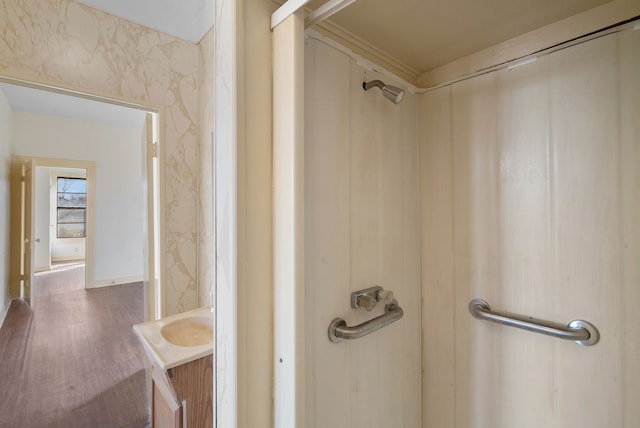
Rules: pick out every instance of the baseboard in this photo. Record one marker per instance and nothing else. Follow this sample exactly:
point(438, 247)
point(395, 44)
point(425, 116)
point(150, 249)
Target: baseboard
point(68, 259)
point(5, 311)
point(117, 281)
point(43, 268)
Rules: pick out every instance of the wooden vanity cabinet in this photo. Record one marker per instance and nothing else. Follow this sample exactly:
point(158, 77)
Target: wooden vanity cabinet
point(166, 412)
point(182, 397)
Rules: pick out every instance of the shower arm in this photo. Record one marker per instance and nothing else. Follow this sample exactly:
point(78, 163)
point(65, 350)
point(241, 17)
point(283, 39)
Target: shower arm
point(374, 83)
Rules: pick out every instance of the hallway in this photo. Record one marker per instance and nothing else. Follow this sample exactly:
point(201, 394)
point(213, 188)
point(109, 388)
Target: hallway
point(72, 360)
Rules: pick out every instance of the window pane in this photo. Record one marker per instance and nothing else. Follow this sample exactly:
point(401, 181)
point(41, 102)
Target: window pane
point(75, 230)
point(72, 185)
point(72, 203)
point(72, 200)
point(71, 216)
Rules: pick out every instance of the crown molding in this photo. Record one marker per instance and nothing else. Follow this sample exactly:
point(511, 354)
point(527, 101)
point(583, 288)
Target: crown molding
point(368, 51)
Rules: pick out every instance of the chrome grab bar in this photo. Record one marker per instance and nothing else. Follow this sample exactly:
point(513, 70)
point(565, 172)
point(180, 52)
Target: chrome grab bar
point(581, 332)
point(338, 329)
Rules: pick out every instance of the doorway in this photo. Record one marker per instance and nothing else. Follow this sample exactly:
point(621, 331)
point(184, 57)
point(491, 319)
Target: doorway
point(62, 218)
point(57, 138)
point(114, 145)
point(60, 211)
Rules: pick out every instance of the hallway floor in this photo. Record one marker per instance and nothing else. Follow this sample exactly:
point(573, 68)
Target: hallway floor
point(72, 359)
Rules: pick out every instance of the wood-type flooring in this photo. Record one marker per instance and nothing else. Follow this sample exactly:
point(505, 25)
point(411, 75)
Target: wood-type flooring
point(72, 359)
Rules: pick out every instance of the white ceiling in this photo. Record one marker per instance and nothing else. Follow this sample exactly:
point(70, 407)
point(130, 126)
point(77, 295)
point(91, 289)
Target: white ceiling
point(23, 99)
point(186, 19)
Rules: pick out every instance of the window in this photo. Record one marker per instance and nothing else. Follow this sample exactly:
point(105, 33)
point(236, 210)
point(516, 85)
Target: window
point(72, 207)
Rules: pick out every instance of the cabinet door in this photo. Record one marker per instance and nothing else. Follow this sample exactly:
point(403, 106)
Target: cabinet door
point(167, 412)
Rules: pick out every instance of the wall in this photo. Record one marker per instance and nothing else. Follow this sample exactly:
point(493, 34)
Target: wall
point(206, 233)
point(6, 114)
point(361, 229)
point(66, 44)
point(255, 219)
point(117, 153)
point(530, 195)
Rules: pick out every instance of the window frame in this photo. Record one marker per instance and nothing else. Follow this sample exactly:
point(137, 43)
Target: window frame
point(58, 207)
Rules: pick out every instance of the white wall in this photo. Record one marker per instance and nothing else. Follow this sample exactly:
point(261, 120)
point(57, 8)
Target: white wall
point(361, 229)
point(5, 162)
point(530, 190)
point(116, 151)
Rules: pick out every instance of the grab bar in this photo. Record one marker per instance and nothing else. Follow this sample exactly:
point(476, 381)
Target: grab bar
point(581, 332)
point(338, 329)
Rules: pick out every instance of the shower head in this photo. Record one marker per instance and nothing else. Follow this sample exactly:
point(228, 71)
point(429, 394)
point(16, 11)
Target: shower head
point(391, 93)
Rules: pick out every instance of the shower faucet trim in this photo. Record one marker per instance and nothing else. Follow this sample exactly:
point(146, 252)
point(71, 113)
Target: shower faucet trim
point(369, 297)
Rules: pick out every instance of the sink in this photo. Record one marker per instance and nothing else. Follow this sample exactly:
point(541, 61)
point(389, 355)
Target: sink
point(177, 339)
point(190, 331)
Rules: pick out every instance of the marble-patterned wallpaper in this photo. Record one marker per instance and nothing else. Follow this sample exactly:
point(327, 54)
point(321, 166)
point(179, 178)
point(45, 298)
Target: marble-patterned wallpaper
point(67, 44)
point(206, 231)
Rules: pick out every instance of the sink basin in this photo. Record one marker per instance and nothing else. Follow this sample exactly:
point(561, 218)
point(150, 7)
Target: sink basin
point(190, 331)
point(177, 339)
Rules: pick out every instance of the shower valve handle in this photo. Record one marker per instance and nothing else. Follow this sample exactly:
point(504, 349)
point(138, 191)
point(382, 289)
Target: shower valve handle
point(384, 296)
point(369, 297)
point(367, 302)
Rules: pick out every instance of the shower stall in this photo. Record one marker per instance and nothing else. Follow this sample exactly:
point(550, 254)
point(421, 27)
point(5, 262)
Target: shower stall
point(520, 187)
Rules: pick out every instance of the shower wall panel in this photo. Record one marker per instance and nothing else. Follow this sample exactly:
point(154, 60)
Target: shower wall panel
point(530, 199)
point(361, 230)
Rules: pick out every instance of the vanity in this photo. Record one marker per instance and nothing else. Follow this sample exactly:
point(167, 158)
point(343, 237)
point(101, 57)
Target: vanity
point(180, 350)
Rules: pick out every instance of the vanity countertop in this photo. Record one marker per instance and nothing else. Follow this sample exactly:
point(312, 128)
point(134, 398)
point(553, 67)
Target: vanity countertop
point(165, 354)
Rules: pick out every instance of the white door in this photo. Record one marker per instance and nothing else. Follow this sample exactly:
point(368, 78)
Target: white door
point(42, 219)
point(21, 261)
point(27, 220)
